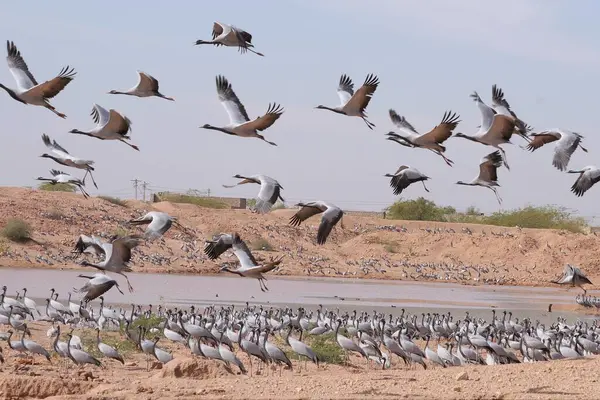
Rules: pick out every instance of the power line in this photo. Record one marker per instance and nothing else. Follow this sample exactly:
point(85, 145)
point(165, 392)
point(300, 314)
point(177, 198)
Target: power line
point(144, 186)
point(135, 181)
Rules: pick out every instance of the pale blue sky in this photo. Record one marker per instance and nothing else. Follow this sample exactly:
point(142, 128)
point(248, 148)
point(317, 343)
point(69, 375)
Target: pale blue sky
point(429, 56)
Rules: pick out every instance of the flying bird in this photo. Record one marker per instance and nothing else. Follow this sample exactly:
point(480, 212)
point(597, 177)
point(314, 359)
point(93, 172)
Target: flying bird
point(158, 223)
point(488, 176)
point(249, 268)
point(62, 156)
point(495, 128)
point(28, 91)
point(354, 104)
point(110, 125)
point(501, 106)
point(239, 122)
point(573, 276)
point(431, 140)
point(588, 177)
point(116, 256)
point(331, 215)
point(219, 245)
point(270, 191)
point(62, 177)
point(147, 86)
point(228, 35)
point(96, 286)
point(404, 177)
point(566, 144)
point(89, 245)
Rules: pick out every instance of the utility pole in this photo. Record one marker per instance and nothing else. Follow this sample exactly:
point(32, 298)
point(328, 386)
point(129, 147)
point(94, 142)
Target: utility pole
point(144, 186)
point(135, 181)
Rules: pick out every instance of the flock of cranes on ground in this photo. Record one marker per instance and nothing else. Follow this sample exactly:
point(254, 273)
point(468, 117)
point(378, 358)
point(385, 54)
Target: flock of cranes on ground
point(215, 333)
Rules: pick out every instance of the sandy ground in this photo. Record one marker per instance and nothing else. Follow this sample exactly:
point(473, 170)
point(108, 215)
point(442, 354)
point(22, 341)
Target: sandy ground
point(366, 247)
point(186, 377)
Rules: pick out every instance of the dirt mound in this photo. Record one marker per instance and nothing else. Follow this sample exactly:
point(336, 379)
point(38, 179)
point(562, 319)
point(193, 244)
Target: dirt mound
point(186, 367)
point(39, 387)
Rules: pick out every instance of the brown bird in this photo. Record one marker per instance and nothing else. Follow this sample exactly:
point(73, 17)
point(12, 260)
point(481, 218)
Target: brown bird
point(431, 140)
point(488, 176)
point(354, 104)
point(28, 90)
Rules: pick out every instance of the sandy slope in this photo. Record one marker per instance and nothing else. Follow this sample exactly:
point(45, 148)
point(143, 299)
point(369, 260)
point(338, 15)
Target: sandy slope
point(365, 247)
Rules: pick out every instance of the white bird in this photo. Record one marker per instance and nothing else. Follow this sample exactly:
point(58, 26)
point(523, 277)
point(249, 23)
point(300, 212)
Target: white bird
point(63, 177)
point(110, 125)
point(488, 176)
point(158, 223)
point(497, 125)
point(28, 91)
point(588, 176)
point(116, 256)
point(270, 191)
point(147, 86)
point(97, 285)
point(354, 104)
point(228, 35)
point(573, 276)
point(431, 140)
point(62, 156)
point(404, 177)
point(239, 122)
point(567, 143)
point(248, 267)
point(331, 215)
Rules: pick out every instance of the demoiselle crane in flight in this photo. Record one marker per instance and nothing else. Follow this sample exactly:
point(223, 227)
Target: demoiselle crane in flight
point(147, 86)
point(158, 223)
point(588, 177)
point(501, 106)
point(248, 267)
point(573, 276)
point(62, 177)
point(96, 286)
point(62, 156)
point(431, 140)
point(332, 214)
point(219, 245)
point(230, 36)
point(239, 122)
point(270, 191)
point(116, 256)
point(28, 90)
point(488, 176)
point(495, 128)
point(110, 125)
point(566, 144)
point(404, 177)
point(354, 104)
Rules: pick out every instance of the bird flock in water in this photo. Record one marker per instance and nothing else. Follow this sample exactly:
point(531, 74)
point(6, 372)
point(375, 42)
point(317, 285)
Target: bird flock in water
point(213, 333)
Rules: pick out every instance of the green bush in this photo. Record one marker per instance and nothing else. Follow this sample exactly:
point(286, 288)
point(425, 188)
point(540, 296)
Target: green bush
point(17, 230)
point(418, 210)
point(114, 200)
point(544, 217)
point(207, 202)
point(58, 187)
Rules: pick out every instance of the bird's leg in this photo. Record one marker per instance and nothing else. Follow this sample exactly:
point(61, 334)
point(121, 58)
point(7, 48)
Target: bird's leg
point(446, 159)
point(128, 283)
point(583, 148)
point(497, 196)
point(91, 176)
point(255, 52)
point(425, 187)
point(49, 107)
point(133, 146)
point(369, 124)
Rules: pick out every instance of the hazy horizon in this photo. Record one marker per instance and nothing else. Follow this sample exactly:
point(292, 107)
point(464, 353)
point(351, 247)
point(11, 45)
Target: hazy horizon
point(429, 56)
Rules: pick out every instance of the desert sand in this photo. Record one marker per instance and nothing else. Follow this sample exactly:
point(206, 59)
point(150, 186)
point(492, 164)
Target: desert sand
point(365, 247)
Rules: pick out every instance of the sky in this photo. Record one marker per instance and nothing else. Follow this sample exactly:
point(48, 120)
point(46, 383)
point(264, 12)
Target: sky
point(429, 55)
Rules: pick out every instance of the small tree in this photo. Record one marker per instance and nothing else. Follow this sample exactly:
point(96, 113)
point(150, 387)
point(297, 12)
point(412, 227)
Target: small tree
point(420, 209)
point(17, 230)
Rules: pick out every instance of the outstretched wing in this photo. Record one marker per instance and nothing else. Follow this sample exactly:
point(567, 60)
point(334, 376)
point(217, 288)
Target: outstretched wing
point(345, 89)
point(54, 146)
point(54, 86)
point(303, 214)
point(261, 123)
point(444, 130)
point(242, 252)
point(18, 67)
point(360, 100)
point(234, 107)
